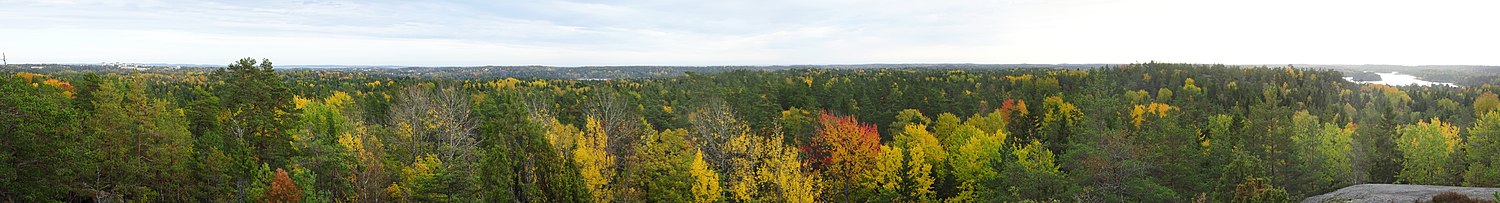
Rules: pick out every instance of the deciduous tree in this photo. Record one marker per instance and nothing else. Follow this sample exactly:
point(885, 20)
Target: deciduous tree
point(844, 149)
point(706, 185)
point(662, 168)
point(1426, 149)
point(595, 163)
point(283, 190)
point(1482, 147)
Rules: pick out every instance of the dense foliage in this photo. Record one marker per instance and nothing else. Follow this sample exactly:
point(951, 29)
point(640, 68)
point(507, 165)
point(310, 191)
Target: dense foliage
point(1149, 132)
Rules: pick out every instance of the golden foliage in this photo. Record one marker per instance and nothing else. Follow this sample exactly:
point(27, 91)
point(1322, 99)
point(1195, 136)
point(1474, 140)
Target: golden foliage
point(300, 102)
point(27, 76)
point(706, 180)
point(1139, 113)
point(973, 160)
point(885, 177)
point(763, 169)
point(915, 137)
point(538, 83)
point(67, 88)
point(1188, 85)
point(1023, 78)
point(338, 100)
point(919, 175)
point(1058, 111)
point(594, 161)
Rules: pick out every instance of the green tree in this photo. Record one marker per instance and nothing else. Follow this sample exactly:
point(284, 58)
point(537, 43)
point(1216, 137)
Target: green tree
point(518, 164)
point(1485, 103)
point(925, 156)
point(1482, 146)
point(216, 170)
point(308, 181)
point(1058, 119)
point(41, 146)
point(1385, 109)
point(944, 129)
point(883, 182)
point(144, 147)
point(1426, 148)
point(661, 168)
point(909, 117)
point(1323, 153)
point(260, 108)
point(422, 181)
point(315, 143)
point(797, 126)
point(975, 162)
point(1258, 190)
point(1035, 174)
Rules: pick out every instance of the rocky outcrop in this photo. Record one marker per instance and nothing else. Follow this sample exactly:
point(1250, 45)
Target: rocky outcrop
point(1398, 193)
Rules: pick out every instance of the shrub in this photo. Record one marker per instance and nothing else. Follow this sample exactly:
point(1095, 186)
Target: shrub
point(1454, 197)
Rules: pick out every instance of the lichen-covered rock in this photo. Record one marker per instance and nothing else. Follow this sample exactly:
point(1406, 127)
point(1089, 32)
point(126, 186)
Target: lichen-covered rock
point(1398, 193)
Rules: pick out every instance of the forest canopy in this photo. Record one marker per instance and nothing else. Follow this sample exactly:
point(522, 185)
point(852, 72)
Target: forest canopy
point(1150, 132)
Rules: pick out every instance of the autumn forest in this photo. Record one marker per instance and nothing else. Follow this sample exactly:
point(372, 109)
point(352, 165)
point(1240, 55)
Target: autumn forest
point(1149, 132)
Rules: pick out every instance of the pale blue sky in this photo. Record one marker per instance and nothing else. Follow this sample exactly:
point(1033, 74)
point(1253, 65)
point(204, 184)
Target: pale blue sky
point(767, 32)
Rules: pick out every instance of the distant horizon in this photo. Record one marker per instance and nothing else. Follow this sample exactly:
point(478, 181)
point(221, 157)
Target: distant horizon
point(670, 65)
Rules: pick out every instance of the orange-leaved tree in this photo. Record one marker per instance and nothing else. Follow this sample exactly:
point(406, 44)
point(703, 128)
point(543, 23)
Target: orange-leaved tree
point(843, 149)
point(283, 190)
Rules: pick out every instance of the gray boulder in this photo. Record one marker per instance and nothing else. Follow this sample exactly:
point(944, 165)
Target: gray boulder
point(1398, 193)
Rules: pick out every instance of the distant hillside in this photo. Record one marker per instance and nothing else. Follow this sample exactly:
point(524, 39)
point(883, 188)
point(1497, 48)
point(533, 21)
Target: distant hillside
point(1457, 74)
point(586, 72)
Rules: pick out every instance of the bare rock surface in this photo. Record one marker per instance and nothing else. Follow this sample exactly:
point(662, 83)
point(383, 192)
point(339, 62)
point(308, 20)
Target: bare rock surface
point(1398, 193)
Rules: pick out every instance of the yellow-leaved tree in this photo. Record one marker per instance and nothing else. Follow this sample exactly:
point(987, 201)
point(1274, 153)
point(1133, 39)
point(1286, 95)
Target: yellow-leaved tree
point(705, 181)
point(594, 161)
point(563, 137)
point(1139, 113)
point(764, 169)
point(420, 181)
point(923, 153)
point(883, 181)
point(974, 162)
point(1426, 149)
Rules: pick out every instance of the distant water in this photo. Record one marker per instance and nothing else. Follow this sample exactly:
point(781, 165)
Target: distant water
point(1398, 79)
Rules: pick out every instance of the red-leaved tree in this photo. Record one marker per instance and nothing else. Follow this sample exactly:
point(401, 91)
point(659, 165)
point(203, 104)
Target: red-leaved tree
point(843, 149)
point(283, 190)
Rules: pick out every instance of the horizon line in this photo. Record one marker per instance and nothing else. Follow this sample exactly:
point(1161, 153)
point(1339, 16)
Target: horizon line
point(724, 65)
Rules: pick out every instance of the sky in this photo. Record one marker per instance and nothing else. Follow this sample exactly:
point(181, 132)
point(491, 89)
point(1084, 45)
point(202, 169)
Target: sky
point(762, 32)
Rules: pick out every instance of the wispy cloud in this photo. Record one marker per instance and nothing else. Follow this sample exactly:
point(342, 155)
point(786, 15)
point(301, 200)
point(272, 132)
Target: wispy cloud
point(673, 32)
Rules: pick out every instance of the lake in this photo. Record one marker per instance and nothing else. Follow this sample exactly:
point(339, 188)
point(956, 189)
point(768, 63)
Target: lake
point(1398, 79)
